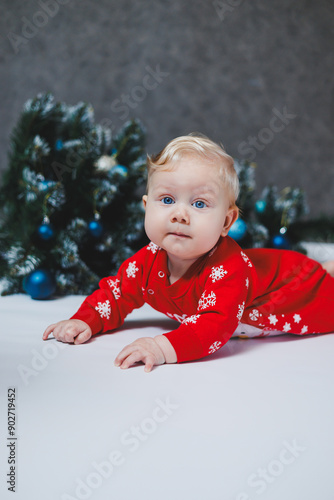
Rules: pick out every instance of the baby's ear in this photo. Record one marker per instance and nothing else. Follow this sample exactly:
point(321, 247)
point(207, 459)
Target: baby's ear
point(231, 217)
point(144, 198)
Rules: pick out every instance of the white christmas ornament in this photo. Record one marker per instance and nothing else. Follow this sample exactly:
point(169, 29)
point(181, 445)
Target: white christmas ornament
point(105, 163)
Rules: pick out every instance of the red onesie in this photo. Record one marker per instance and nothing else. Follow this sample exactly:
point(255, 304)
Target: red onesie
point(271, 290)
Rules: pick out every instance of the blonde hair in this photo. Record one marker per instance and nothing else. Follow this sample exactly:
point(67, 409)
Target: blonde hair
point(196, 143)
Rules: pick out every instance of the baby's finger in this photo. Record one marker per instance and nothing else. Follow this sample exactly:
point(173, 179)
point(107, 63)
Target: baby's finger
point(131, 359)
point(149, 363)
point(83, 337)
point(68, 335)
point(63, 334)
point(126, 351)
point(48, 330)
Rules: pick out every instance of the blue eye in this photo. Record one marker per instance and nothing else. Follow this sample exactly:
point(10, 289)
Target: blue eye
point(167, 200)
point(199, 204)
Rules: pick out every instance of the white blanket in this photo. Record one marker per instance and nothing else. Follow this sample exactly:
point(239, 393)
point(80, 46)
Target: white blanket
point(253, 421)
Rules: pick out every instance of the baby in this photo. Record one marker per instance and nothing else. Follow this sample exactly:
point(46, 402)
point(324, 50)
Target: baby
point(193, 272)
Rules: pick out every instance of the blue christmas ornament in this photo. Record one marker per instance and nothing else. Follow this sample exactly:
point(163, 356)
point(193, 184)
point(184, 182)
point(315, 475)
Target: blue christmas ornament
point(39, 284)
point(44, 185)
point(59, 145)
point(95, 228)
point(238, 230)
point(280, 242)
point(260, 206)
point(46, 231)
point(120, 169)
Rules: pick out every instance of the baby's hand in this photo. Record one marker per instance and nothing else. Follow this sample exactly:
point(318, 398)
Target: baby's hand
point(70, 330)
point(145, 349)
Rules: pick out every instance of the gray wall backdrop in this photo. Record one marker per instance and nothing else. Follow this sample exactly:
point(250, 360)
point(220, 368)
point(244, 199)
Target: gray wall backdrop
point(256, 75)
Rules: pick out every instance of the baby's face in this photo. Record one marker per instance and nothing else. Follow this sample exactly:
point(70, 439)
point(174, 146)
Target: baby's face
point(187, 208)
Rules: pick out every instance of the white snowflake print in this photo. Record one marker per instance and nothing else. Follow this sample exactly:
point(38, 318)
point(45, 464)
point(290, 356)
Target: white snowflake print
point(104, 309)
point(177, 317)
point(217, 273)
point(153, 247)
point(246, 259)
point(131, 270)
point(304, 329)
point(272, 319)
point(241, 308)
point(297, 318)
point(191, 319)
point(115, 288)
point(207, 300)
point(266, 332)
point(286, 327)
point(254, 315)
point(214, 347)
point(247, 283)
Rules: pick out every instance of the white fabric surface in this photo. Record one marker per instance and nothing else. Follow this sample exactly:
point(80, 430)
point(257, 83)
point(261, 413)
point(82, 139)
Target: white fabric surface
point(254, 420)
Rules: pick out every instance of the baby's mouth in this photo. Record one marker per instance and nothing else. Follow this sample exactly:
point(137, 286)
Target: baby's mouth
point(180, 235)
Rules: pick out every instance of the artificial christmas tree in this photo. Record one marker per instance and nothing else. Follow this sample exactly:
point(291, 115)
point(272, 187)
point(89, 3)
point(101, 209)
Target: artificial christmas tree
point(71, 207)
point(269, 221)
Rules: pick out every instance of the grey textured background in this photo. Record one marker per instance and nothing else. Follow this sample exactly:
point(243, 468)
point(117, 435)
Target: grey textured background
point(226, 68)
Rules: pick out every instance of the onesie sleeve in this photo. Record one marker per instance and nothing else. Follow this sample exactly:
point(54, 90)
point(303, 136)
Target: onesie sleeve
point(106, 308)
point(219, 311)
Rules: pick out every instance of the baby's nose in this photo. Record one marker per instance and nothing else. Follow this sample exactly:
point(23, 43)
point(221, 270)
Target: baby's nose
point(180, 215)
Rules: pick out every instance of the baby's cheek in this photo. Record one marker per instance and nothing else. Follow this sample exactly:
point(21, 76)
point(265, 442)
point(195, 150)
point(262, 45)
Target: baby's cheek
point(149, 229)
point(153, 225)
point(207, 235)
